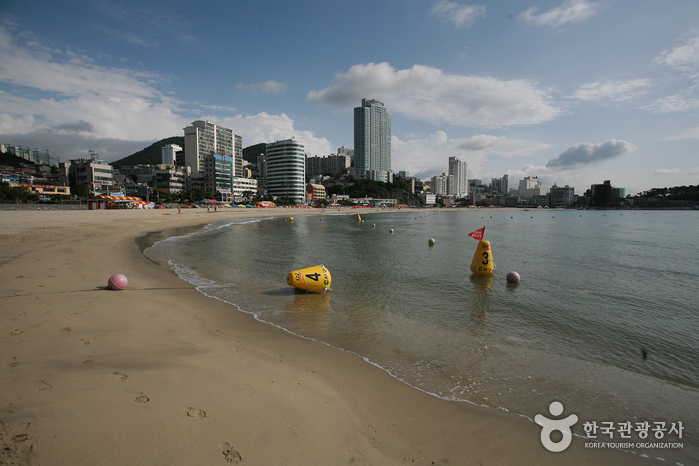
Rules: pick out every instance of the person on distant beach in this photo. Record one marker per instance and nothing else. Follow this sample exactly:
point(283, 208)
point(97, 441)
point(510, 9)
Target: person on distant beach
point(179, 209)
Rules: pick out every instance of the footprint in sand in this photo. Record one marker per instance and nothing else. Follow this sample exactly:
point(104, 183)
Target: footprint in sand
point(66, 329)
point(122, 377)
point(42, 386)
point(12, 361)
point(194, 412)
point(141, 398)
point(249, 389)
point(231, 454)
point(16, 332)
point(88, 361)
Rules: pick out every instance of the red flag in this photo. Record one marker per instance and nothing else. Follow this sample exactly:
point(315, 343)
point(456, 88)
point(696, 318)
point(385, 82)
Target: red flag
point(478, 234)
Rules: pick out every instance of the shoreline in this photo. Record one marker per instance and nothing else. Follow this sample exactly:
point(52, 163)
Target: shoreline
point(161, 374)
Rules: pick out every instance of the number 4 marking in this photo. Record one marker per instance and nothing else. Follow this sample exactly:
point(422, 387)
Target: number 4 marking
point(314, 276)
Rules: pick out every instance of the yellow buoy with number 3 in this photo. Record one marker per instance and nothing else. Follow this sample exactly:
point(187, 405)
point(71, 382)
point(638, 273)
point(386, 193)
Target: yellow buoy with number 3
point(316, 279)
point(482, 263)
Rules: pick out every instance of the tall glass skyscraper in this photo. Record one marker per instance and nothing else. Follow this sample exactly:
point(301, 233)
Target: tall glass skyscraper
point(372, 140)
point(286, 169)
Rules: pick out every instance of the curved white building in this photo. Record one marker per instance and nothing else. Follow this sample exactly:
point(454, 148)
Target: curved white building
point(286, 169)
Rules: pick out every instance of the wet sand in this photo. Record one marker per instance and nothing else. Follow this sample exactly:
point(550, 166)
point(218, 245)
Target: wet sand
point(160, 374)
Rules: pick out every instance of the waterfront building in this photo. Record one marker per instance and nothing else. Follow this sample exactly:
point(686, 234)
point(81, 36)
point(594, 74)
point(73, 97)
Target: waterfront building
point(428, 199)
point(95, 173)
point(244, 188)
point(218, 175)
point(562, 196)
point(529, 187)
point(204, 138)
point(170, 179)
point(169, 154)
point(504, 184)
point(286, 169)
point(262, 171)
point(372, 141)
point(605, 195)
point(439, 185)
point(458, 169)
point(314, 192)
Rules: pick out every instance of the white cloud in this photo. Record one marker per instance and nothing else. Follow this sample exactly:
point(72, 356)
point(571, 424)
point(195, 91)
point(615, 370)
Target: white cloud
point(460, 15)
point(426, 157)
point(426, 93)
point(613, 90)
point(586, 154)
point(677, 171)
point(685, 56)
point(269, 128)
point(115, 111)
point(571, 11)
point(683, 101)
point(267, 87)
point(689, 134)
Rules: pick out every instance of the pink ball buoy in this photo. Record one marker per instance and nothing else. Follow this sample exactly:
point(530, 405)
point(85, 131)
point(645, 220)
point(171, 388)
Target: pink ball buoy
point(513, 277)
point(117, 282)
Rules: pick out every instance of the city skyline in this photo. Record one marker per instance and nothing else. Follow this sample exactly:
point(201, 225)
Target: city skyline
point(571, 91)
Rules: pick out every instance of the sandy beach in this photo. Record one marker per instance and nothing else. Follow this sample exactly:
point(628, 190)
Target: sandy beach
point(160, 374)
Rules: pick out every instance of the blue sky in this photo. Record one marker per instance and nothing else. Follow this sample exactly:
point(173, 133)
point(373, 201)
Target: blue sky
point(572, 91)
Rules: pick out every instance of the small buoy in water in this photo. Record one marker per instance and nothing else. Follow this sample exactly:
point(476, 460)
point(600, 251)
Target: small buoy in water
point(291, 219)
point(373, 224)
point(391, 230)
point(482, 263)
point(117, 282)
point(431, 242)
point(359, 217)
point(316, 279)
point(512, 277)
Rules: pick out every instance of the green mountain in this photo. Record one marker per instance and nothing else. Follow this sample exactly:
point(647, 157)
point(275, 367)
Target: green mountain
point(151, 155)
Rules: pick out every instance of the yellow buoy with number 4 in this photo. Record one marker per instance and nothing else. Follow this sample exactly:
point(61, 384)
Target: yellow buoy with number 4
point(482, 263)
point(316, 279)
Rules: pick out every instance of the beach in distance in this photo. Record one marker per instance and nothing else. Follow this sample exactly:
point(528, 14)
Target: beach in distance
point(159, 373)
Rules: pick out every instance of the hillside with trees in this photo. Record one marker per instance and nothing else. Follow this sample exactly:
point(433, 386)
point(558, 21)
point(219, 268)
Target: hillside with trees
point(151, 155)
point(677, 193)
point(399, 190)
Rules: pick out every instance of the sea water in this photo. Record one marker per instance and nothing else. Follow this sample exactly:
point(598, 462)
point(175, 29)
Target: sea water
point(605, 319)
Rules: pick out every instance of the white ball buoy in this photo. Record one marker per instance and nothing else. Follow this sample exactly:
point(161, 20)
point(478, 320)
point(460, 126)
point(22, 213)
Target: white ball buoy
point(373, 224)
point(431, 241)
point(513, 277)
point(391, 230)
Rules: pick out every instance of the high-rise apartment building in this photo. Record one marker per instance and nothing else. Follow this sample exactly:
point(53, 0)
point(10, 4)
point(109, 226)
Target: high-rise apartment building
point(561, 196)
point(529, 187)
point(204, 138)
point(372, 140)
point(439, 185)
point(458, 169)
point(169, 154)
point(286, 169)
point(345, 151)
